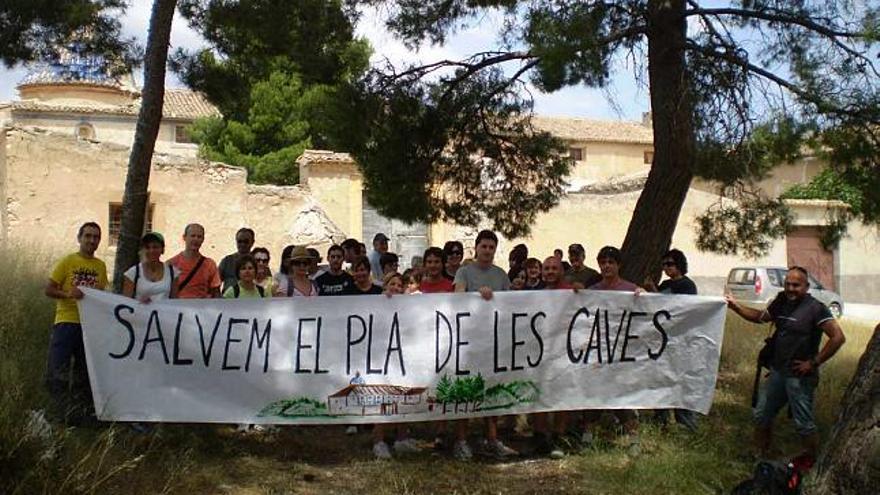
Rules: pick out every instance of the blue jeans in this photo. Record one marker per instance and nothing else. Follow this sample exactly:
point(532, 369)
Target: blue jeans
point(67, 377)
point(780, 389)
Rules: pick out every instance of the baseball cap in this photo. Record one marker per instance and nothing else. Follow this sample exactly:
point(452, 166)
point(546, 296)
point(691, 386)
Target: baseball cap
point(380, 237)
point(152, 237)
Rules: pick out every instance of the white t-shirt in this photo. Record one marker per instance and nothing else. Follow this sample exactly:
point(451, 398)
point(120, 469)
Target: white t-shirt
point(145, 287)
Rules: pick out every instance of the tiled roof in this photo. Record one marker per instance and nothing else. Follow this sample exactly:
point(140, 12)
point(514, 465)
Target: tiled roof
point(608, 131)
point(374, 390)
point(187, 105)
point(180, 104)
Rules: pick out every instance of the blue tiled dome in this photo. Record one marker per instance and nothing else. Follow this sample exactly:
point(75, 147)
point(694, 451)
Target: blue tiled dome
point(73, 66)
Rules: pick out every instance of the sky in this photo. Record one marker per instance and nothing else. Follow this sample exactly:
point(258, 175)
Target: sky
point(623, 99)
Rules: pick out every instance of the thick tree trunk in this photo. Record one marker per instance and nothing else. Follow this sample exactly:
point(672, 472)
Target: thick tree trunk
point(656, 214)
point(134, 200)
point(850, 461)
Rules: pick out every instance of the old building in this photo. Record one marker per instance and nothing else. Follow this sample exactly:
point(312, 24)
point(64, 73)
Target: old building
point(65, 145)
point(64, 150)
point(378, 400)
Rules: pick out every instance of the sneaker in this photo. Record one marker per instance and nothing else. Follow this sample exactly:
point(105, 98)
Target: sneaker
point(381, 451)
point(407, 446)
point(587, 440)
point(439, 444)
point(462, 451)
point(243, 428)
point(351, 430)
point(556, 453)
point(497, 449)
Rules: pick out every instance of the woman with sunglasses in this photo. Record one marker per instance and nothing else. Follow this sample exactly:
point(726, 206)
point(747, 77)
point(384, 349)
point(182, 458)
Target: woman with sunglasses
point(297, 281)
point(454, 255)
point(264, 274)
point(675, 266)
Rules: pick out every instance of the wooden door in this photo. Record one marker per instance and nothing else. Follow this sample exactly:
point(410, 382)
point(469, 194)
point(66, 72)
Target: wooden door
point(804, 248)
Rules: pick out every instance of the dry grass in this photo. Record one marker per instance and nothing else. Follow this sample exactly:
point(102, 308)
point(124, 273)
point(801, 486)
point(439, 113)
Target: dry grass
point(195, 459)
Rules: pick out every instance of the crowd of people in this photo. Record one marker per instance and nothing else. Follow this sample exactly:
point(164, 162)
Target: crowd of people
point(350, 270)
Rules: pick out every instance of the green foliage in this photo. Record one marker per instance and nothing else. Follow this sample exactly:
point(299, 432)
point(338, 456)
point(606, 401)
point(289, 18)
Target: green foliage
point(459, 152)
point(296, 407)
point(33, 29)
point(251, 40)
point(278, 75)
point(274, 134)
point(747, 227)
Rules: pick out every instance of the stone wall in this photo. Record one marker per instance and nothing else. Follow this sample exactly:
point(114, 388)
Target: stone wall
point(115, 129)
point(53, 183)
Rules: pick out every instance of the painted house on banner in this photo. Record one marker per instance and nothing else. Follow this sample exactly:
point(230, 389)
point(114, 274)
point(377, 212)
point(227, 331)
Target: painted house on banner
point(378, 400)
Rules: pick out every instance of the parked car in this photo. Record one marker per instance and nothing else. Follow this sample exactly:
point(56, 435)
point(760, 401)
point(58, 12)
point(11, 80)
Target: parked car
point(757, 286)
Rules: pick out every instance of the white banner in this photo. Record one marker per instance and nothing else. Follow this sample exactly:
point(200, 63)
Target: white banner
point(369, 359)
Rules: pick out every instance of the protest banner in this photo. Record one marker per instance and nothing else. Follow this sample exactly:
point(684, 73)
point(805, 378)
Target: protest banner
point(371, 359)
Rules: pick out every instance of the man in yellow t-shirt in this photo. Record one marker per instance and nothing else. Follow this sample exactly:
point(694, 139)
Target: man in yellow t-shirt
point(72, 401)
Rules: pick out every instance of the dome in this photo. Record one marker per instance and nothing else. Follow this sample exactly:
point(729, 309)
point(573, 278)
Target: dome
point(74, 67)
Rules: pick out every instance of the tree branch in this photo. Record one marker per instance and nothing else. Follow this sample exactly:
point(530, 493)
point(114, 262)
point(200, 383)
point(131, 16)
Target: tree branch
point(832, 34)
point(776, 17)
point(822, 105)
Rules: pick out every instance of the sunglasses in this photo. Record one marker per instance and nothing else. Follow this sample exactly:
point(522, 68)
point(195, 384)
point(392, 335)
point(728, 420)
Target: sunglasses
point(261, 260)
point(299, 263)
point(453, 253)
point(668, 263)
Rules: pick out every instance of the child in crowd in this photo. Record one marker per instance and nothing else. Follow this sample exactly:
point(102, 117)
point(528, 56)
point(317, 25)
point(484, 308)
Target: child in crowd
point(393, 285)
point(247, 287)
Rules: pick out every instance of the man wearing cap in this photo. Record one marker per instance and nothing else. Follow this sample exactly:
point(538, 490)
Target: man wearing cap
point(199, 277)
point(244, 241)
point(380, 247)
point(580, 275)
point(71, 401)
point(150, 279)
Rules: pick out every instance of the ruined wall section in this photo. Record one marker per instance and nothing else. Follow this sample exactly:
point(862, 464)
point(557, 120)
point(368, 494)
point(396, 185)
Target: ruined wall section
point(56, 182)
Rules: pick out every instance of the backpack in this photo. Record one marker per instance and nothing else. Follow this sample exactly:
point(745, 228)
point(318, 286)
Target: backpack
point(771, 478)
point(236, 290)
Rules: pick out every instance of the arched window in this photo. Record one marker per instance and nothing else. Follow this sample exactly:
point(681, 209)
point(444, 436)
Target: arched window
point(85, 130)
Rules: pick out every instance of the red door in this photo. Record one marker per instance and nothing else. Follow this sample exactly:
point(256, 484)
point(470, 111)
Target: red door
point(804, 248)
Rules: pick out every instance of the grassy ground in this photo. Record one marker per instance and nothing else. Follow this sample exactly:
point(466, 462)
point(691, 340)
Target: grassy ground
point(208, 459)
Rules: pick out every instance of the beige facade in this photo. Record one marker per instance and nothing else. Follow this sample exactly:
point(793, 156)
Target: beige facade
point(598, 214)
point(52, 183)
point(105, 113)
